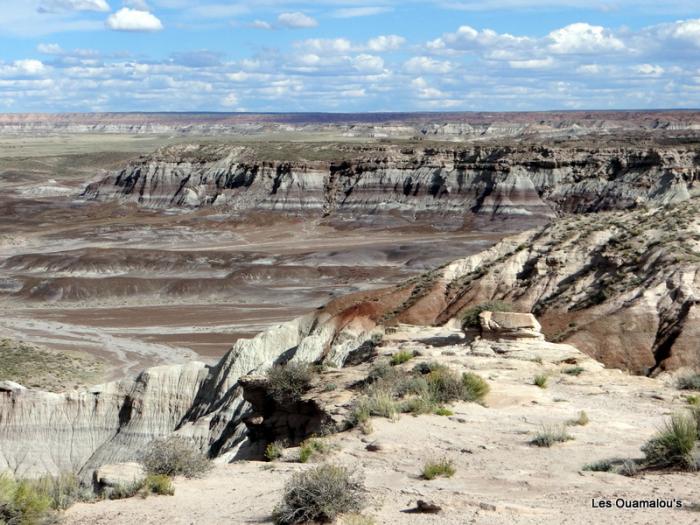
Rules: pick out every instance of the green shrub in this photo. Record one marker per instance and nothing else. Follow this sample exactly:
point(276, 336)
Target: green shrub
point(549, 435)
point(673, 444)
point(287, 383)
point(540, 380)
point(574, 370)
point(417, 406)
point(274, 450)
point(310, 448)
point(690, 382)
point(174, 456)
point(401, 357)
point(440, 468)
point(475, 388)
point(693, 400)
point(604, 465)
point(63, 490)
point(320, 494)
point(470, 319)
point(158, 484)
point(378, 402)
point(442, 411)
point(21, 503)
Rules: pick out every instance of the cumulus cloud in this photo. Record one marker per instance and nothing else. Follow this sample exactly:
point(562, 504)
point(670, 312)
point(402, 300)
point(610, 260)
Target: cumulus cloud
point(127, 19)
point(230, 100)
point(23, 68)
point(368, 63)
point(53, 6)
point(648, 69)
point(584, 38)
point(296, 20)
point(384, 43)
point(422, 64)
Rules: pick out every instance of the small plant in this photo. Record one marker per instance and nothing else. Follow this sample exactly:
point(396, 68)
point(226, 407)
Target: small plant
point(174, 456)
point(549, 435)
point(401, 357)
point(330, 387)
point(320, 494)
point(673, 444)
point(604, 465)
point(274, 450)
point(22, 503)
point(311, 447)
point(540, 380)
point(417, 406)
point(574, 370)
point(158, 484)
point(470, 319)
point(475, 388)
point(287, 383)
point(693, 400)
point(582, 419)
point(440, 468)
point(689, 382)
point(442, 411)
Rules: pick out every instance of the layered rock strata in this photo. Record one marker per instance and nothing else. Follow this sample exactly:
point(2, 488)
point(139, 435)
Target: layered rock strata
point(523, 180)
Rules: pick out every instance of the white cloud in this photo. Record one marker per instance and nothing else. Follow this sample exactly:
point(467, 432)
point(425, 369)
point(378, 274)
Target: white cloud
point(23, 68)
point(127, 19)
point(589, 69)
point(582, 38)
point(296, 20)
point(230, 100)
point(422, 64)
point(52, 6)
point(368, 63)
point(648, 69)
point(326, 45)
point(260, 24)
point(50, 49)
point(353, 12)
point(385, 43)
point(533, 63)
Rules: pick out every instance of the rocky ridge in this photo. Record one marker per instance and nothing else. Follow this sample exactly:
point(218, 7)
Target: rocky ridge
point(517, 180)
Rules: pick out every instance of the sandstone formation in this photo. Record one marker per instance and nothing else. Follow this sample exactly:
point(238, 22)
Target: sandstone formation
point(527, 180)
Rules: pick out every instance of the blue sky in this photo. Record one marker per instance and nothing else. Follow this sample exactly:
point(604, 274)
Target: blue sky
point(348, 55)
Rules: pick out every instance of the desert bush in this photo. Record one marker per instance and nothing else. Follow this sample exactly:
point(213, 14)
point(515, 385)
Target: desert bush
point(63, 490)
point(124, 491)
point(377, 402)
point(470, 319)
point(158, 484)
point(174, 456)
point(417, 405)
point(693, 400)
point(21, 503)
point(320, 494)
point(581, 420)
point(287, 383)
point(604, 465)
point(274, 450)
point(310, 448)
point(574, 370)
point(689, 382)
point(540, 380)
point(475, 388)
point(549, 435)
point(440, 468)
point(401, 357)
point(442, 411)
point(672, 446)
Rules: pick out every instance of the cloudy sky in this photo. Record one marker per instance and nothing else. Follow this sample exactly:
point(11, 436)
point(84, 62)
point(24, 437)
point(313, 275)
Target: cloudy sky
point(348, 55)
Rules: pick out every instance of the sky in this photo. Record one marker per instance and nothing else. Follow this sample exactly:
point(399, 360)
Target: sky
point(348, 55)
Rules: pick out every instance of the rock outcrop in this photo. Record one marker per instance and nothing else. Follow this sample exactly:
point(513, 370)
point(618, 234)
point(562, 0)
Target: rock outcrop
point(81, 430)
point(623, 287)
point(526, 180)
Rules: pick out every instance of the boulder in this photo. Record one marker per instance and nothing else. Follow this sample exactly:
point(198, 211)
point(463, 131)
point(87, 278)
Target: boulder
point(119, 475)
point(509, 326)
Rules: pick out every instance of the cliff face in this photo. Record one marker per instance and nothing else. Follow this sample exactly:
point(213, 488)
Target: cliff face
point(524, 180)
point(79, 431)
